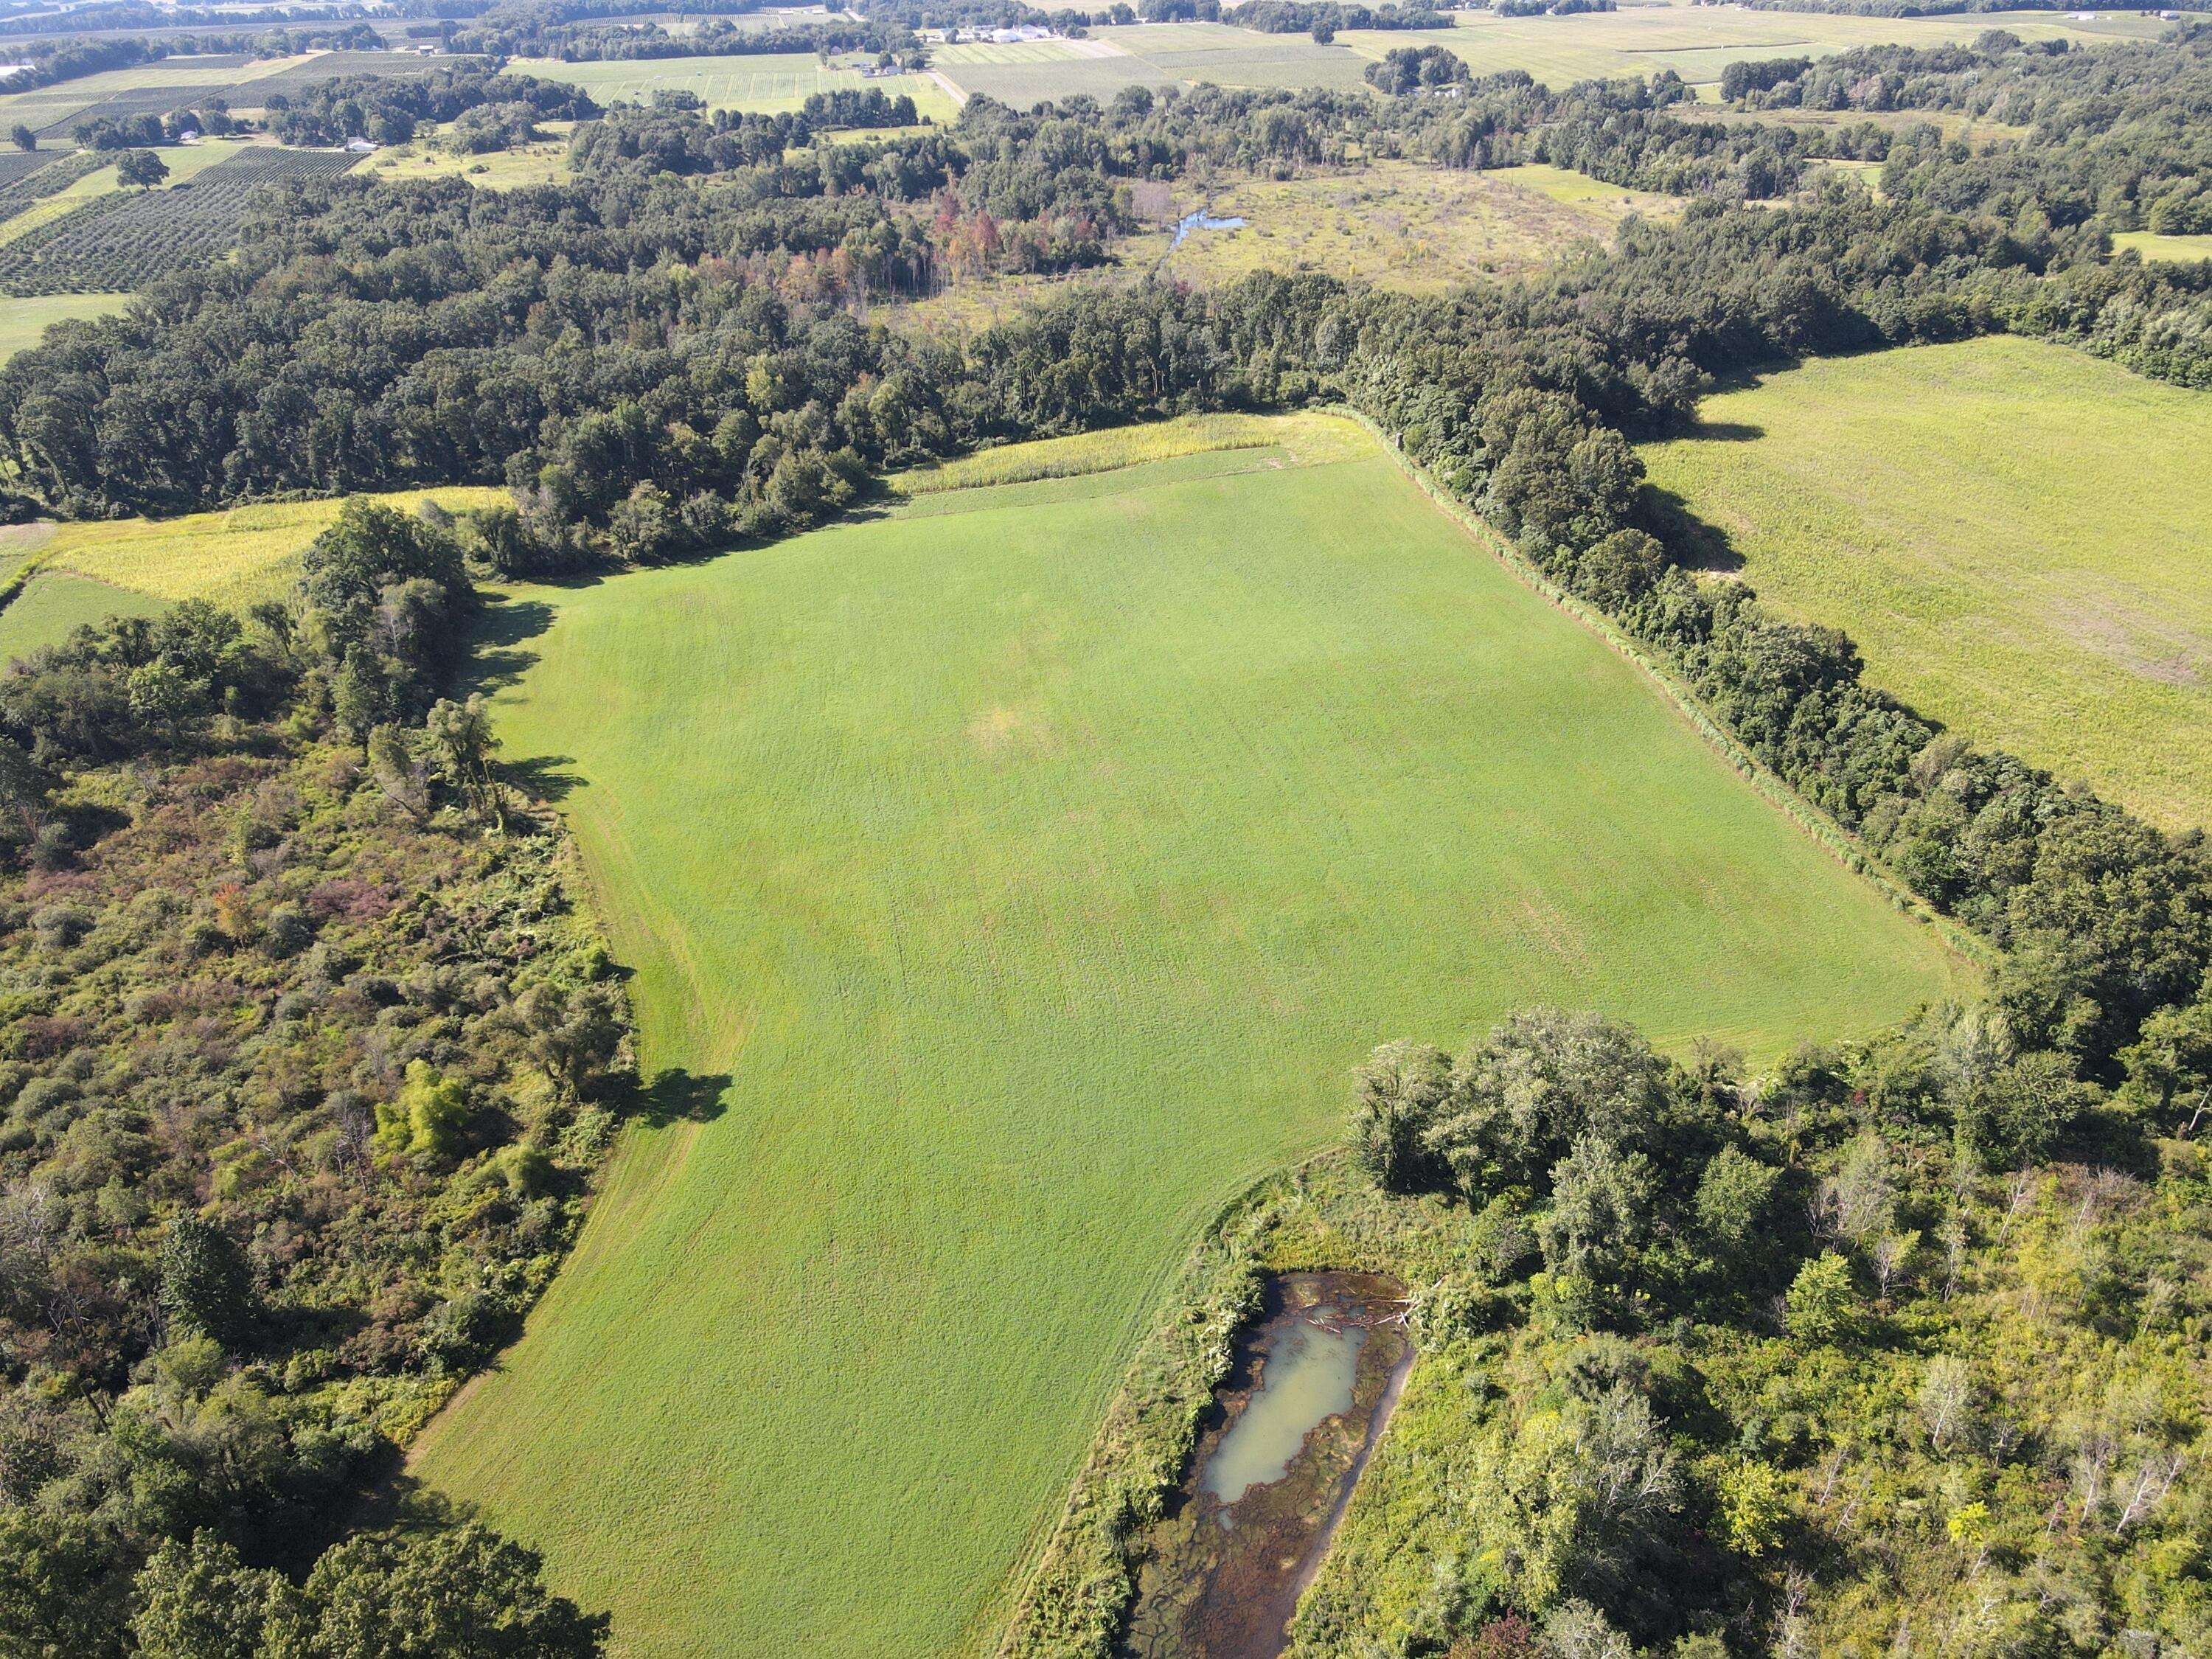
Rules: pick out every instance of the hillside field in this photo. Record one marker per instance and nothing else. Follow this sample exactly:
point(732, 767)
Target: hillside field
point(2014, 533)
point(1009, 878)
point(85, 570)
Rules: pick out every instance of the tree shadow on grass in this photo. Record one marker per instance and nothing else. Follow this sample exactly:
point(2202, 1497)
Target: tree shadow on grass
point(542, 777)
point(497, 656)
point(1696, 544)
point(676, 1096)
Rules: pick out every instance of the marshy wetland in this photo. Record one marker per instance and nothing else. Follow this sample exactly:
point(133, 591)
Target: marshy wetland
point(1313, 1385)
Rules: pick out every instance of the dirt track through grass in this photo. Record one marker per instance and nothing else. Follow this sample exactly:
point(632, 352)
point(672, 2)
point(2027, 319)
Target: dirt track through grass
point(1033, 866)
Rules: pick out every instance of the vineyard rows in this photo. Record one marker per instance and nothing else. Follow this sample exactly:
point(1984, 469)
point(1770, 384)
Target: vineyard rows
point(251, 92)
point(124, 241)
point(16, 163)
point(22, 186)
point(139, 100)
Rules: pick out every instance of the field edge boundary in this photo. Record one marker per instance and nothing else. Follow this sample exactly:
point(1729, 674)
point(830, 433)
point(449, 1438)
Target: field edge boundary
point(1839, 843)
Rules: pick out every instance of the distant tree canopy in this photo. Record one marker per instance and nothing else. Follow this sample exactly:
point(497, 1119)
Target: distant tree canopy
point(1419, 69)
point(387, 109)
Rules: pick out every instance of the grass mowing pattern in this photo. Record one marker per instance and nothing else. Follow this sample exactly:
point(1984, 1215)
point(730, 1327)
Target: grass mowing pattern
point(2012, 532)
point(1037, 870)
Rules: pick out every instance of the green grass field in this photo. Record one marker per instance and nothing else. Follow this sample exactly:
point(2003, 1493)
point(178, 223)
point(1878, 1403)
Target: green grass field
point(768, 82)
point(2012, 532)
point(2153, 247)
point(1033, 862)
point(54, 604)
point(1698, 43)
point(23, 321)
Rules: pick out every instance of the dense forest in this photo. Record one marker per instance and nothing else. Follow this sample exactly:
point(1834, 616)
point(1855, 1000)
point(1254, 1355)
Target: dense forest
point(308, 1055)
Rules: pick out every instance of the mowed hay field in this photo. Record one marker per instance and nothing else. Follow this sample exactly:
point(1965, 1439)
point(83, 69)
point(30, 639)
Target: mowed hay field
point(2015, 533)
point(1033, 862)
point(1696, 42)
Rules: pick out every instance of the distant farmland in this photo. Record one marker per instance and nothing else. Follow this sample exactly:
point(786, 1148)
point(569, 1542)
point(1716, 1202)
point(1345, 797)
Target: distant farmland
point(1009, 879)
point(1696, 42)
point(766, 82)
point(2014, 533)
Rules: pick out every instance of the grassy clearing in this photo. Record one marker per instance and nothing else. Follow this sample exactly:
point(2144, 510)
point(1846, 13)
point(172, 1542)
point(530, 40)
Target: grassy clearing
point(1020, 882)
point(2012, 532)
point(1699, 42)
point(54, 603)
point(2152, 245)
point(24, 321)
point(1401, 225)
point(234, 558)
point(542, 163)
point(768, 82)
point(1307, 438)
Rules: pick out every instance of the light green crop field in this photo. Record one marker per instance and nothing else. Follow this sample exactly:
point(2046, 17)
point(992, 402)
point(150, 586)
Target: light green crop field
point(1024, 870)
point(766, 82)
point(139, 567)
point(23, 321)
point(2014, 533)
point(2152, 245)
point(1697, 43)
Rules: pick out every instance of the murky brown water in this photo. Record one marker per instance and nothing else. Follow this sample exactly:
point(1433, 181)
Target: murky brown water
point(1313, 1384)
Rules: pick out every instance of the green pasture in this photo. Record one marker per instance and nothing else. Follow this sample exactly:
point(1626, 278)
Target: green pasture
point(2152, 245)
point(139, 567)
point(1009, 878)
point(766, 82)
point(24, 321)
point(54, 603)
point(2014, 533)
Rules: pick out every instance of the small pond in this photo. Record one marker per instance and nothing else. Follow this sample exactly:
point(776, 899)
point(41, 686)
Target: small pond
point(1313, 1383)
point(1201, 220)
